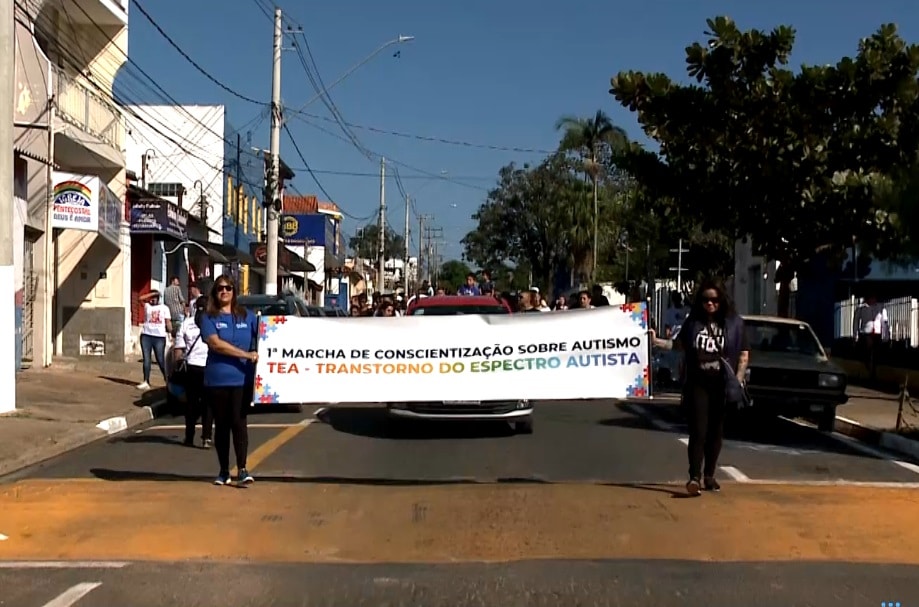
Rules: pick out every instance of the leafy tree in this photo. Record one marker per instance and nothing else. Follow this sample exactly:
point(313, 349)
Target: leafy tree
point(791, 159)
point(592, 138)
point(366, 243)
point(452, 274)
point(526, 219)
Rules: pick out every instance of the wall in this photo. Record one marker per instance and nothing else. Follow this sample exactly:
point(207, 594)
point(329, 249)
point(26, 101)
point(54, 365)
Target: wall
point(91, 294)
point(754, 288)
point(170, 163)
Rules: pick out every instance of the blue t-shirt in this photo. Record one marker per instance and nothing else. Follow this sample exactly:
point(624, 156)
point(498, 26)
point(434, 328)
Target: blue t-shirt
point(224, 371)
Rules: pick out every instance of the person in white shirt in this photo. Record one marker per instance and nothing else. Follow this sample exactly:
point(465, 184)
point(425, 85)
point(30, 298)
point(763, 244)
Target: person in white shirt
point(190, 347)
point(157, 325)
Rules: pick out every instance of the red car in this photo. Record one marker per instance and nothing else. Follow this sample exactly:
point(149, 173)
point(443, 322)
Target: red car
point(451, 305)
point(519, 413)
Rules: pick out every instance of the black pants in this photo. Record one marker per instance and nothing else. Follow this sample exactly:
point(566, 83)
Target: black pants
point(197, 407)
point(705, 409)
point(230, 411)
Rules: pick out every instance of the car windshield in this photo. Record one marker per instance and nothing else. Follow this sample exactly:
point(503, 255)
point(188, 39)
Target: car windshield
point(786, 338)
point(457, 310)
point(266, 307)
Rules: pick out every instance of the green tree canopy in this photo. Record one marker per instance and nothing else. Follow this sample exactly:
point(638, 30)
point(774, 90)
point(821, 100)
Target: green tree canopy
point(790, 159)
point(452, 274)
point(527, 219)
point(366, 243)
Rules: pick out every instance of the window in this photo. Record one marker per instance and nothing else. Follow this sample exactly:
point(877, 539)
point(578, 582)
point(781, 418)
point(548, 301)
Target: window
point(786, 338)
point(166, 190)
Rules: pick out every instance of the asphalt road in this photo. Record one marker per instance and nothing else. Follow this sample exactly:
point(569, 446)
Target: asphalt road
point(798, 518)
point(573, 442)
point(549, 583)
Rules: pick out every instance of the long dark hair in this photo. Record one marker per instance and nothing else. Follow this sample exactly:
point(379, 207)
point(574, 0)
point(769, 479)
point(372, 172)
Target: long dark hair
point(200, 308)
point(213, 304)
point(725, 306)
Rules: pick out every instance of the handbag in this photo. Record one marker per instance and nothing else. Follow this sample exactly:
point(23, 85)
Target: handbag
point(179, 375)
point(735, 392)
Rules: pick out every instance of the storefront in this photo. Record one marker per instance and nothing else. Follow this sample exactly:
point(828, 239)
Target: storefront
point(290, 265)
point(166, 241)
point(89, 270)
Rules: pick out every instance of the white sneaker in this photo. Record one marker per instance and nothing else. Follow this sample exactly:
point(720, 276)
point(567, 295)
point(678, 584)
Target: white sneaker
point(143, 386)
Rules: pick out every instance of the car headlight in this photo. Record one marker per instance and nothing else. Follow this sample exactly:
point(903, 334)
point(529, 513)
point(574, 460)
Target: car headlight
point(829, 380)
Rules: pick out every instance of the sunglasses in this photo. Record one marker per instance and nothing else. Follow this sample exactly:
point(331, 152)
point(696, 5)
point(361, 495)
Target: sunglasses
point(226, 288)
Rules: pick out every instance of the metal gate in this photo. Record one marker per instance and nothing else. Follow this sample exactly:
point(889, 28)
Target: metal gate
point(29, 295)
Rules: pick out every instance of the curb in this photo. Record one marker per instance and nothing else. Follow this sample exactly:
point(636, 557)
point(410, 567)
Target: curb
point(106, 427)
point(878, 438)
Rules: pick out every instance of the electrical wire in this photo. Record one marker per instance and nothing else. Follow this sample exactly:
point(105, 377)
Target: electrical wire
point(185, 55)
point(431, 139)
point(313, 175)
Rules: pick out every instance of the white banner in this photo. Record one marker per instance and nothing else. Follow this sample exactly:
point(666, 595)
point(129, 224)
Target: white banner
point(599, 353)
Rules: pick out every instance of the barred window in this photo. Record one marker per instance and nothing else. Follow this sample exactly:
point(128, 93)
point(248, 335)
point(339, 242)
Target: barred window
point(166, 190)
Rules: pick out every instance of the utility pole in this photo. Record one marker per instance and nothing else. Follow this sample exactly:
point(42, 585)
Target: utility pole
point(679, 269)
point(274, 177)
point(420, 266)
point(382, 231)
point(407, 239)
point(7, 210)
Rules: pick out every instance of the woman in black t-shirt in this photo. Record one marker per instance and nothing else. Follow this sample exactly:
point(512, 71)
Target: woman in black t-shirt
point(711, 338)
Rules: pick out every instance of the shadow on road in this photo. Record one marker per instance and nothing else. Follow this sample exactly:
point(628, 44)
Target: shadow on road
point(146, 439)
point(118, 380)
point(377, 423)
point(741, 428)
point(135, 475)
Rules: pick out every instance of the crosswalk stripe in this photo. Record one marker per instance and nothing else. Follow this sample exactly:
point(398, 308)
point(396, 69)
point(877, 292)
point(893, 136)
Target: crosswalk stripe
point(73, 594)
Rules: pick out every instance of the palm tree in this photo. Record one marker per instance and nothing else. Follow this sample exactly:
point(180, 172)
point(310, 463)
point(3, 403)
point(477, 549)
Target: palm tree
point(588, 136)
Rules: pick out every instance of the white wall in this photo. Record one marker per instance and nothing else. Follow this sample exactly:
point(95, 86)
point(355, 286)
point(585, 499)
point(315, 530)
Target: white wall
point(754, 288)
point(204, 129)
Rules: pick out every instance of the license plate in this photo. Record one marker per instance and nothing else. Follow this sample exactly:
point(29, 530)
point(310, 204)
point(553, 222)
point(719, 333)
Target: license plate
point(462, 402)
point(816, 408)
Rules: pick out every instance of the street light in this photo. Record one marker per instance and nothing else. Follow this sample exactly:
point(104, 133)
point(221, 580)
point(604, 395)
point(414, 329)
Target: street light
point(400, 40)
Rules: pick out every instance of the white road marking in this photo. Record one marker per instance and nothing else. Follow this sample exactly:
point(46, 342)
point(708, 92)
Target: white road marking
point(72, 595)
point(3, 538)
point(763, 448)
point(857, 445)
point(63, 564)
point(735, 474)
point(834, 483)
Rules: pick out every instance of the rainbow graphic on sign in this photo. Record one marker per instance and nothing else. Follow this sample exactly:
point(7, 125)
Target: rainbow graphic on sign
point(72, 193)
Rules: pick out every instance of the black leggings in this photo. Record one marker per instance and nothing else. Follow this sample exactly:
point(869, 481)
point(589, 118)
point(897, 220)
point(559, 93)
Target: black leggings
point(197, 406)
point(230, 417)
point(705, 408)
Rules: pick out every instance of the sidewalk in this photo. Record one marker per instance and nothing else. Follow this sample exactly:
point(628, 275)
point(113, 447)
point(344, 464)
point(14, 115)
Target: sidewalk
point(871, 417)
point(71, 404)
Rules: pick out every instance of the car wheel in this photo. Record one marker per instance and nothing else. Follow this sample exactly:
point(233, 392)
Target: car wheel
point(524, 426)
point(827, 420)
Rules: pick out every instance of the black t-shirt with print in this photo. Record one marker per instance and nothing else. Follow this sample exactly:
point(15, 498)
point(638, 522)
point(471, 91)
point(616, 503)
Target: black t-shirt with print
point(704, 353)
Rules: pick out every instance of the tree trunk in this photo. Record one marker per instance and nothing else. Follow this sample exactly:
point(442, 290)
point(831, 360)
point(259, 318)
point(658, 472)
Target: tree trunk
point(593, 266)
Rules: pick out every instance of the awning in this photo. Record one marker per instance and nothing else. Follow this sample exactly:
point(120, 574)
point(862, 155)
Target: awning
point(298, 264)
point(213, 253)
point(232, 253)
point(314, 286)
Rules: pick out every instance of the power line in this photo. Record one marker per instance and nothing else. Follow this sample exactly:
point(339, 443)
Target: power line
point(313, 175)
point(430, 139)
point(194, 63)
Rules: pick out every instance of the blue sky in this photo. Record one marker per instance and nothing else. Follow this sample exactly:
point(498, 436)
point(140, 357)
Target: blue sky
point(483, 72)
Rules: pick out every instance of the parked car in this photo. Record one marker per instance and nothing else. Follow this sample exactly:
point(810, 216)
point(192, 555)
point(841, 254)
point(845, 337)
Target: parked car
point(282, 304)
point(789, 374)
point(519, 413)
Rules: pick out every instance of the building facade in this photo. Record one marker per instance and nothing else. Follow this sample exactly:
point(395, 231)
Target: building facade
point(313, 230)
point(74, 251)
point(197, 201)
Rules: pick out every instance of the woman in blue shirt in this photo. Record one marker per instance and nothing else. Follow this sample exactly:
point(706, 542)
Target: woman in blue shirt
point(229, 330)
